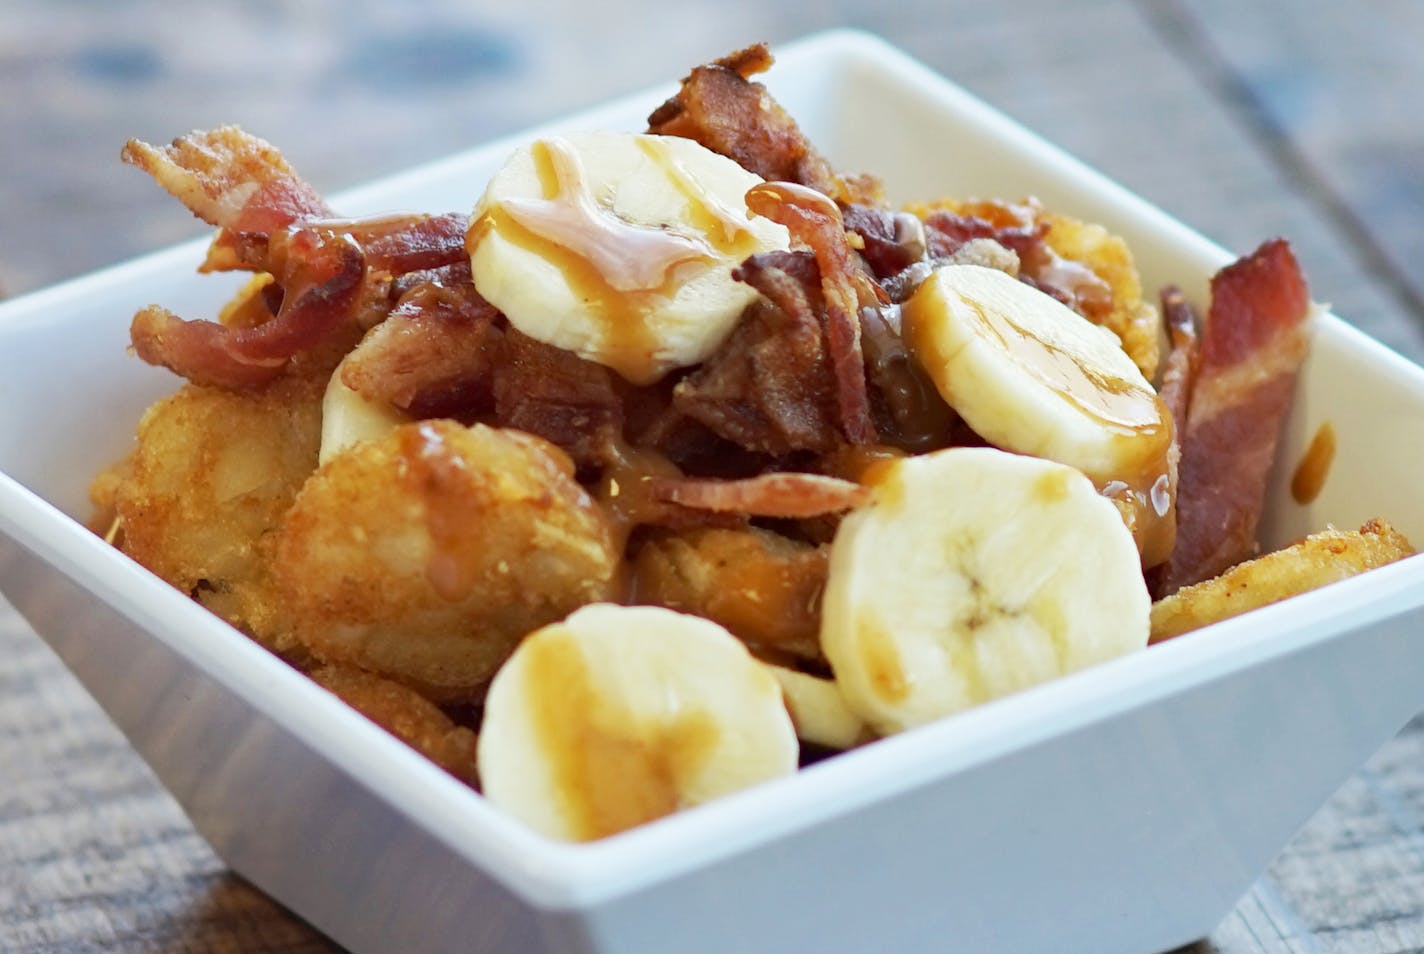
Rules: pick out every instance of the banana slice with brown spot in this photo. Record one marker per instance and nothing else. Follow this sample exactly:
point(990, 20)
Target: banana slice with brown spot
point(620, 715)
point(975, 573)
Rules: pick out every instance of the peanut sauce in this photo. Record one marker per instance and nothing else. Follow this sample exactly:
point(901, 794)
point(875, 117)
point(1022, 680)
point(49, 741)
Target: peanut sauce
point(620, 271)
point(1314, 467)
point(612, 769)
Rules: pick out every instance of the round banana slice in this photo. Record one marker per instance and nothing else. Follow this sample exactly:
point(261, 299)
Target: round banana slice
point(620, 715)
point(1031, 375)
point(974, 573)
point(619, 247)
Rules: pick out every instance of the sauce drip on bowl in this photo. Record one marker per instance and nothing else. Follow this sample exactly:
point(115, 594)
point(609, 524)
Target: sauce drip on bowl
point(1314, 467)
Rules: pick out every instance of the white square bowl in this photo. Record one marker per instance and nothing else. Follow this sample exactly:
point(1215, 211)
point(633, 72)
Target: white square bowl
point(1122, 810)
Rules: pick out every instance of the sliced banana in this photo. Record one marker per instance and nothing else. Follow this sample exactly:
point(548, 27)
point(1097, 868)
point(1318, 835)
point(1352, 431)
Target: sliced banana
point(619, 247)
point(819, 711)
point(620, 715)
point(348, 417)
point(975, 573)
point(1031, 375)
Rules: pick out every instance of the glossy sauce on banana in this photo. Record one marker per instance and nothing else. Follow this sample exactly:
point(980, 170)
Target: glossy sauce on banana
point(1148, 505)
point(1144, 488)
point(442, 481)
point(620, 270)
point(1128, 408)
point(612, 769)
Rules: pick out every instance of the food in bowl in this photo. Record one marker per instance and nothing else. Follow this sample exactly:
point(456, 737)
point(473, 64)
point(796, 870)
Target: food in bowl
point(870, 465)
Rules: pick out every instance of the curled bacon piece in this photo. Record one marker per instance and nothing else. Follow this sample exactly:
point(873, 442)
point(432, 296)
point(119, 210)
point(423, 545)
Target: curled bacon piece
point(721, 108)
point(1251, 349)
point(769, 388)
point(328, 273)
point(322, 290)
point(815, 220)
point(231, 179)
point(398, 244)
point(1021, 227)
point(787, 495)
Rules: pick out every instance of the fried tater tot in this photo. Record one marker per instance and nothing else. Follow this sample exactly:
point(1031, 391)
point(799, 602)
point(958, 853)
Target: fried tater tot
point(765, 588)
point(1135, 321)
point(1321, 558)
point(405, 714)
point(427, 554)
point(209, 480)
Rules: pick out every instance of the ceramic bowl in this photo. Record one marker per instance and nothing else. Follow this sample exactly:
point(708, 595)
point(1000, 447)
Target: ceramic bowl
point(1122, 810)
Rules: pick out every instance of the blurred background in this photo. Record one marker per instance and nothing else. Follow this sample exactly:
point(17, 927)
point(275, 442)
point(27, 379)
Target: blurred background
point(1246, 120)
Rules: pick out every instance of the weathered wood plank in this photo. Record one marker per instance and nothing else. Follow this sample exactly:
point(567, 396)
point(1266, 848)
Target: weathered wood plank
point(93, 853)
point(1331, 92)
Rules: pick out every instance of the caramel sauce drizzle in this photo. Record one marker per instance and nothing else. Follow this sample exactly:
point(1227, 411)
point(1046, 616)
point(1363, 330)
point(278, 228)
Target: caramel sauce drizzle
point(1145, 494)
point(621, 272)
point(613, 769)
point(725, 229)
point(451, 511)
point(1314, 467)
point(625, 487)
point(762, 198)
point(1112, 401)
point(630, 257)
point(1148, 505)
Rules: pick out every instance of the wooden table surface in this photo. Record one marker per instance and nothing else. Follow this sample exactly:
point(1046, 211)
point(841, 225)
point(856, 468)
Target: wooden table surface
point(1245, 120)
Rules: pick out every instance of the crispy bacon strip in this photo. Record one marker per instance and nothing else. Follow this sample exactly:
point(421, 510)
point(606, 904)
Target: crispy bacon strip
point(559, 396)
point(231, 179)
point(1020, 227)
point(1180, 366)
point(329, 273)
point(1251, 349)
point(321, 296)
point(787, 495)
point(815, 221)
point(720, 107)
point(406, 243)
point(769, 388)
